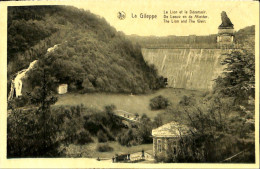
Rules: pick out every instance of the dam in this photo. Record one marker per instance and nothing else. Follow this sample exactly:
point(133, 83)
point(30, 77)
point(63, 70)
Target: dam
point(193, 69)
point(192, 66)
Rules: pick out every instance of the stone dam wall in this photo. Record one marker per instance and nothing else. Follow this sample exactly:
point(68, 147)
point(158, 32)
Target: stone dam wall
point(193, 69)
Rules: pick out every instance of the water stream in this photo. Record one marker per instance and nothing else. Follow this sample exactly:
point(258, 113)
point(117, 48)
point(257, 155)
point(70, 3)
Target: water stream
point(17, 82)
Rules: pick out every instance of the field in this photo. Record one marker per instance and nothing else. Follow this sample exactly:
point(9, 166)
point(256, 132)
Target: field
point(130, 103)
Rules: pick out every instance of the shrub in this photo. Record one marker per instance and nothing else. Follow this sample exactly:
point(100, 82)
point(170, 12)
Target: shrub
point(27, 137)
point(159, 102)
point(104, 148)
point(126, 137)
point(87, 87)
point(161, 158)
point(110, 108)
point(102, 137)
point(84, 137)
point(92, 125)
point(187, 101)
point(109, 134)
point(72, 87)
point(20, 101)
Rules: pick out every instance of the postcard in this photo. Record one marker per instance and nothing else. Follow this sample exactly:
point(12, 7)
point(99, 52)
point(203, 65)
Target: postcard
point(129, 84)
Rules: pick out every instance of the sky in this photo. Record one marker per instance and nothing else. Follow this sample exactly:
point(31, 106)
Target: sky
point(241, 13)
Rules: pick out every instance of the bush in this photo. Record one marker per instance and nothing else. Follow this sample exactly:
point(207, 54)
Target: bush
point(92, 125)
point(102, 137)
point(72, 87)
point(27, 137)
point(84, 137)
point(16, 102)
point(104, 148)
point(109, 134)
point(126, 137)
point(158, 103)
point(110, 108)
point(187, 101)
point(161, 158)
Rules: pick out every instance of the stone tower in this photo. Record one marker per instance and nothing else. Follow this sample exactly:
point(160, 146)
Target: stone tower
point(225, 36)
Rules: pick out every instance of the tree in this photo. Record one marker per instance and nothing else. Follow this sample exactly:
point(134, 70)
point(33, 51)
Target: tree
point(187, 101)
point(110, 108)
point(145, 129)
point(158, 103)
point(238, 80)
point(102, 137)
point(33, 133)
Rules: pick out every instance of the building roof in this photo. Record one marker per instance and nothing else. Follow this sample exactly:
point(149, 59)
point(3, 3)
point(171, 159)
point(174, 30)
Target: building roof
point(172, 129)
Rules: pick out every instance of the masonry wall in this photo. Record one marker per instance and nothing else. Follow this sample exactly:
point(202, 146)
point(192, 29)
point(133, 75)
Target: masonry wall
point(187, 68)
point(166, 143)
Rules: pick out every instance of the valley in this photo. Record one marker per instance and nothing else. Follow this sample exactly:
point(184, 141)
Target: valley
point(127, 102)
point(80, 88)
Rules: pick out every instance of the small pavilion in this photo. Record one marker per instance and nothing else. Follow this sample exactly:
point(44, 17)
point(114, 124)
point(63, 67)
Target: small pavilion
point(168, 136)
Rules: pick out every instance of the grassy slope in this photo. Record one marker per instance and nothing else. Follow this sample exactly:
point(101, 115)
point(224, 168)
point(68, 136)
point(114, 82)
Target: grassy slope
point(133, 104)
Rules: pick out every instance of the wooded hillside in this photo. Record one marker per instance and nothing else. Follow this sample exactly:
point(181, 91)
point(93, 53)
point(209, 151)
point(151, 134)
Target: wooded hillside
point(90, 55)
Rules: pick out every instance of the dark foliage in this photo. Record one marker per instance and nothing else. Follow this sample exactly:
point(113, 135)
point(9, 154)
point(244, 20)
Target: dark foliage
point(139, 135)
point(31, 133)
point(27, 135)
point(104, 125)
point(102, 137)
point(158, 103)
point(238, 80)
point(104, 148)
point(84, 137)
point(224, 120)
point(187, 101)
point(91, 56)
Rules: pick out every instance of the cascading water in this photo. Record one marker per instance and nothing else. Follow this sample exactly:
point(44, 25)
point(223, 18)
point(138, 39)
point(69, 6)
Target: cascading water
point(17, 82)
point(186, 68)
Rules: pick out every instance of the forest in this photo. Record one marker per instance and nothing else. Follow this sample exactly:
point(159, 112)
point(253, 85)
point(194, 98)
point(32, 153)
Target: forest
point(91, 55)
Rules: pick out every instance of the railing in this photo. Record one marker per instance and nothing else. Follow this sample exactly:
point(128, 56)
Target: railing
point(128, 158)
point(127, 116)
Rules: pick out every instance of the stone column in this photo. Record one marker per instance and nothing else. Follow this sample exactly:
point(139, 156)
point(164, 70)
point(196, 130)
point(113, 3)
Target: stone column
point(163, 145)
point(166, 144)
